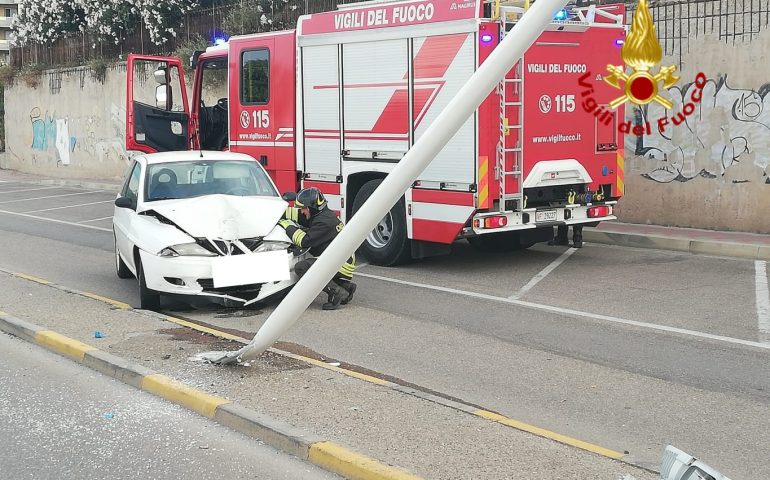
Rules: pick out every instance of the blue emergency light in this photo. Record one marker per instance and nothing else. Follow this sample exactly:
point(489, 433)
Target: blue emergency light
point(561, 15)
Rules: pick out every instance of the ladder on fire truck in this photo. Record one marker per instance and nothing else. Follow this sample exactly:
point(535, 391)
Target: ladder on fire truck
point(507, 88)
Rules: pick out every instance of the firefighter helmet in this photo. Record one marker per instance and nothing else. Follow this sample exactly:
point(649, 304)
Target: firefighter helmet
point(311, 198)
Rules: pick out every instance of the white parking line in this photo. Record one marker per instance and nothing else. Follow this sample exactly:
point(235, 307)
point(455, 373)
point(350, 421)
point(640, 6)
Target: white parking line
point(68, 206)
point(55, 221)
point(543, 273)
point(95, 219)
point(763, 300)
point(577, 313)
point(50, 196)
point(28, 189)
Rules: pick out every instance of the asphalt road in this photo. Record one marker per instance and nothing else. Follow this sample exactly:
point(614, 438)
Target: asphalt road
point(629, 349)
point(60, 420)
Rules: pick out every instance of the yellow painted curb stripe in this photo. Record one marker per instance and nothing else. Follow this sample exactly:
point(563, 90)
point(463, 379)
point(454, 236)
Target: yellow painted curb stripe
point(177, 392)
point(318, 363)
point(350, 373)
point(115, 303)
point(201, 328)
point(30, 277)
point(605, 452)
point(64, 345)
point(340, 460)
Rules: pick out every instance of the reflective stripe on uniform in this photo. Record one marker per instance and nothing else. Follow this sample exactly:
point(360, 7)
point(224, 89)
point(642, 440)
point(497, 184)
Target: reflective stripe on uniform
point(292, 214)
point(348, 268)
point(297, 237)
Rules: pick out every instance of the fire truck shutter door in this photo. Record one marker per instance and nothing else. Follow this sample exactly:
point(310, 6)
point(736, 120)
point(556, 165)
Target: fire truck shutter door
point(442, 65)
point(321, 111)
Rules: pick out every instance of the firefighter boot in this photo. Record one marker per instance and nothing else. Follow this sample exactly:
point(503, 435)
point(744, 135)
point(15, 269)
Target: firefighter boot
point(561, 236)
point(349, 287)
point(577, 236)
point(335, 296)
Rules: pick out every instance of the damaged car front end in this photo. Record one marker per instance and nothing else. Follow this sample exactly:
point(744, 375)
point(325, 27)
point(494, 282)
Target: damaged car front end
point(204, 239)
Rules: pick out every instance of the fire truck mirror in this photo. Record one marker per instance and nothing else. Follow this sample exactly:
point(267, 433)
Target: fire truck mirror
point(161, 76)
point(161, 97)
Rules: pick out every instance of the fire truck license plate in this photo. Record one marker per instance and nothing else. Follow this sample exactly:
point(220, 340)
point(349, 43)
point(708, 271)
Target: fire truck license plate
point(545, 216)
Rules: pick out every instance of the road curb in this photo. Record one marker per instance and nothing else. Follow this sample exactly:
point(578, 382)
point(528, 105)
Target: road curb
point(696, 247)
point(325, 454)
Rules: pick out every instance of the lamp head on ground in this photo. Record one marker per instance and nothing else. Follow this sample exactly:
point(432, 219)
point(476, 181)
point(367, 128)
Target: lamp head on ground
point(678, 465)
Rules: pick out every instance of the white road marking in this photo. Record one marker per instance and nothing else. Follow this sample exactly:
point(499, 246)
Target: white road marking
point(543, 273)
point(577, 313)
point(763, 300)
point(28, 189)
point(68, 206)
point(95, 219)
point(50, 196)
point(55, 221)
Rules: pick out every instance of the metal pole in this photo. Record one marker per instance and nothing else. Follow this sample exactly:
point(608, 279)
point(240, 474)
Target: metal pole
point(462, 106)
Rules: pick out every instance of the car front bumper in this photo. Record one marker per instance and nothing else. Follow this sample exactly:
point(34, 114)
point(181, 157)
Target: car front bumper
point(191, 275)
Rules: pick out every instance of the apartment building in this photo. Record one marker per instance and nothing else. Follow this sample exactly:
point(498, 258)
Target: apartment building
point(8, 9)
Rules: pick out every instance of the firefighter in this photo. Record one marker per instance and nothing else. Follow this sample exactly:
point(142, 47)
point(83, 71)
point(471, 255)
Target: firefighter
point(311, 224)
point(562, 233)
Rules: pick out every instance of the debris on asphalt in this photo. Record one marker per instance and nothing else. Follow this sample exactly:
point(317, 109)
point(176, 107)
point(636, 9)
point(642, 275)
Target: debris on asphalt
point(108, 416)
point(98, 334)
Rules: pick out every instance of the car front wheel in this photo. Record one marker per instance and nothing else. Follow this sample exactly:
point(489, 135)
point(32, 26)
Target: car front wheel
point(148, 299)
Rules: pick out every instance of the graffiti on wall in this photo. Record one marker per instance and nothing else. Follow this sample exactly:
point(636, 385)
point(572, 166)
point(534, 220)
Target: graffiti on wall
point(69, 136)
point(727, 137)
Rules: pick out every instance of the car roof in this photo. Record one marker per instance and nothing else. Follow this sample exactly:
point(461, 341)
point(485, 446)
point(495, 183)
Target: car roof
point(194, 155)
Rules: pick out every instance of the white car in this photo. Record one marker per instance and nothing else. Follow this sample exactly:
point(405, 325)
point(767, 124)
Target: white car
point(201, 223)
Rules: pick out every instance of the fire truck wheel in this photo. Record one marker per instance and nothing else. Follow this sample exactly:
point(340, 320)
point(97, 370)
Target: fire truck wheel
point(499, 242)
point(388, 243)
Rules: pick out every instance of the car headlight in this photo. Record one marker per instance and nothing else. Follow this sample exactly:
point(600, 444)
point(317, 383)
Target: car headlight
point(272, 246)
point(186, 249)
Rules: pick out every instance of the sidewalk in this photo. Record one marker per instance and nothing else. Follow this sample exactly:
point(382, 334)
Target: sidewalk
point(705, 242)
point(695, 241)
point(354, 427)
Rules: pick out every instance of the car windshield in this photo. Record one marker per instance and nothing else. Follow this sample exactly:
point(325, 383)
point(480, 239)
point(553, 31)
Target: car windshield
point(176, 180)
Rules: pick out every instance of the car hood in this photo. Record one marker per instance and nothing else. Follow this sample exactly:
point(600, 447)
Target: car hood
point(224, 217)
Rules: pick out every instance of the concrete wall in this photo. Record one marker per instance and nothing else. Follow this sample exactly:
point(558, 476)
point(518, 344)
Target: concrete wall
point(71, 125)
point(711, 171)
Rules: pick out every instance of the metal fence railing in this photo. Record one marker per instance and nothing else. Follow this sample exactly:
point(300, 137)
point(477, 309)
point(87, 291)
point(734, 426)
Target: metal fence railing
point(208, 23)
point(678, 23)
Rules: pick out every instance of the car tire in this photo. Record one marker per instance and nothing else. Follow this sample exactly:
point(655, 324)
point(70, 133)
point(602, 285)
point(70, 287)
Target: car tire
point(499, 242)
point(120, 266)
point(148, 299)
point(388, 244)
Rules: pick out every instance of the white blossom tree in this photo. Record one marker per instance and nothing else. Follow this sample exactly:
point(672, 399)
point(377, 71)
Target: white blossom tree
point(44, 21)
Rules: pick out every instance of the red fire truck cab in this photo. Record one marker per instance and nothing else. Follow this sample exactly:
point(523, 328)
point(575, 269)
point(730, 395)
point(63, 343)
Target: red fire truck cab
point(338, 101)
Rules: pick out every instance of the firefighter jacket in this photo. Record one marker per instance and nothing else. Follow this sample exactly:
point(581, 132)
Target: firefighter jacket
point(316, 233)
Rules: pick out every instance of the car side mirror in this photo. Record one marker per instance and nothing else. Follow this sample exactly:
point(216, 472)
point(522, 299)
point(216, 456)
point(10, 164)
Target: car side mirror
point(289, 196)
point(124, 202)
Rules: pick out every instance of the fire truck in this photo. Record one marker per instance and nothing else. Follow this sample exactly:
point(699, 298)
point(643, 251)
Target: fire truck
point(337, 102)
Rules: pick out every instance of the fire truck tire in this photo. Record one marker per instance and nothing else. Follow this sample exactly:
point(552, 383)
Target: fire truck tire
point(388, 244)
point(499, 242)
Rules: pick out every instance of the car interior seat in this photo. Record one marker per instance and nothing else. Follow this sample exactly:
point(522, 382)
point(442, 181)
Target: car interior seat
point(163, 184)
